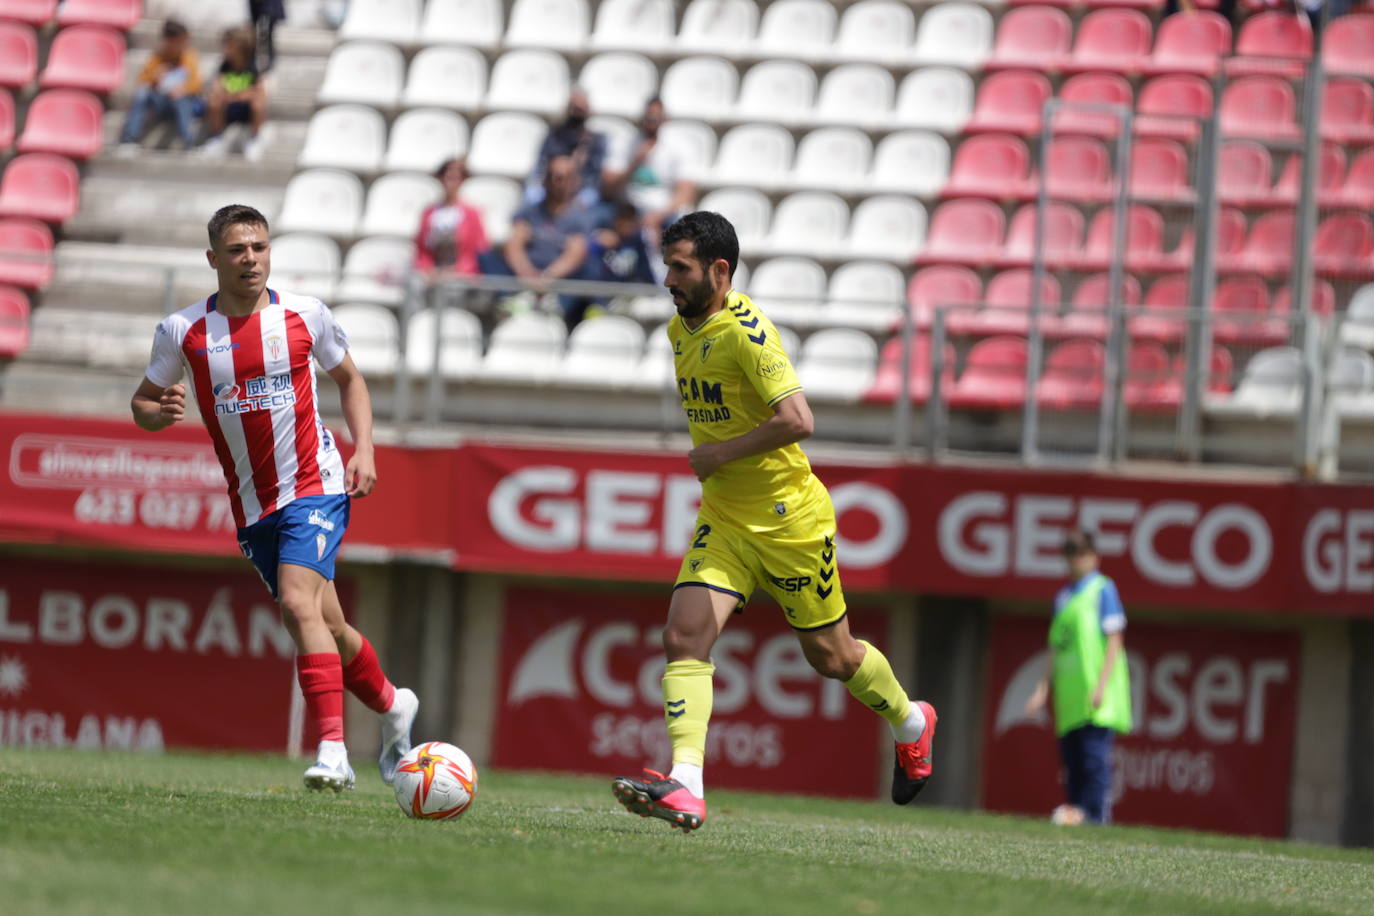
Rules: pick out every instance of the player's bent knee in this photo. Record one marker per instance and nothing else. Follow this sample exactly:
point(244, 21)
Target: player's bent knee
point(680, 644)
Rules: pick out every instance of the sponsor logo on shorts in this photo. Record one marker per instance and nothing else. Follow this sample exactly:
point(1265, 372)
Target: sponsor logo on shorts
point(790, 583)
point(780, 508)
point(319, 519)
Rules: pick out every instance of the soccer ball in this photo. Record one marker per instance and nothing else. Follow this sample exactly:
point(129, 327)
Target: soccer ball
point(435, 781)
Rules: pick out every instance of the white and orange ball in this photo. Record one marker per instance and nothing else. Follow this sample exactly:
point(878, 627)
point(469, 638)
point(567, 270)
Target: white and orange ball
point(435, 781)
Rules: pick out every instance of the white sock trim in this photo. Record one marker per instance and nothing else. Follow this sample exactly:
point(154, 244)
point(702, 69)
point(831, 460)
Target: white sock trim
point(689, 774)
point(911, 729)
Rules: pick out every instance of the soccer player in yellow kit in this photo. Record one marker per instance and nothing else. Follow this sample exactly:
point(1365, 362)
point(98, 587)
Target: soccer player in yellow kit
point(765, 522)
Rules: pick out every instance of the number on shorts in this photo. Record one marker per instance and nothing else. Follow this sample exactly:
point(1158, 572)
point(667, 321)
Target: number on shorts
point(700, 541)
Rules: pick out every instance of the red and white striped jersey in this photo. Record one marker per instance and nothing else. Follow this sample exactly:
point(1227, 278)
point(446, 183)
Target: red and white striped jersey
point(254, 382)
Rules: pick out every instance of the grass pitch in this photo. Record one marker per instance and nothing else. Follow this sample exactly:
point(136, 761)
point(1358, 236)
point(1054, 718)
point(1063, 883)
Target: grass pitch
point(180, 834)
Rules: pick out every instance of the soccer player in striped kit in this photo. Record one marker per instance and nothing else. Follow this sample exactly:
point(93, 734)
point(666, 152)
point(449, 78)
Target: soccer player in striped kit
point(249, 354)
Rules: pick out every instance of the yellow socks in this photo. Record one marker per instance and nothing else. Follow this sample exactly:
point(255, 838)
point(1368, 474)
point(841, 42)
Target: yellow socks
point(687, 708)
point(876, 687)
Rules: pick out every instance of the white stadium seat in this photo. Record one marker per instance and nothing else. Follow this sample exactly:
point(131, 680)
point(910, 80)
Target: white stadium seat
point(446, 77)
point(791, 343)
point(506, 143)
point(1271, 384)
point(560, 24)
point(344, 137)
point(700, 87)
point(796, 28)
point(525, 348)
point(754, 154)
point(305, 263)
point(724, 27)
point(876, 30)
point(837, 364)
point(396, 21)
point(376, 269)
point(424, 138)
point(655, 370)
point(910, 162)
point(748, 210)
point(619, 83)
point(891, 227)
point(529, 80)
point(855, 94)
point(832, 158)
point(956, 34)
point(603, 352)
point(618, 130)
point(328, 201)
point(497, 199)
point(373, 336)
point(395, 202)
point(364, 72)
point(812, 223)
point(694, 141)
point(866, 294)
point(460, 343)
point(634, 25)
point(1358, 326)
point(789, 290)
point(777, 90)
point(467, 22)
point(938, 98)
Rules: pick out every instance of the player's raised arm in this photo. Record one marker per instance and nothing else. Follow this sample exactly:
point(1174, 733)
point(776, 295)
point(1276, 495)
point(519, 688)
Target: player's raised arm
point(361, 474)
point(156, 407)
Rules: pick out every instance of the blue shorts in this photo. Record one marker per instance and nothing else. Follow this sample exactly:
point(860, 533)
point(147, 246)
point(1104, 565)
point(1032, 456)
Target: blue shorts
point(307, 532)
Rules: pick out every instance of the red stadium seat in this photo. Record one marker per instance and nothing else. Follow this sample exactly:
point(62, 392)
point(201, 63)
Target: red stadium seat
point(1268, 247)
point(1245, 173)
point(1011, 102)
point(1087, 315)
point(6, 121)
point(1063, 235)
point(996, 166)
point(85, 57)
point(1149, 385)
point(1078, 168)
point(1358, 188)
point(14, 321)
point(887, 382)
point(25, 253)
point(1190, 43)
point(1277, 41)
point(1170, 106)
point(63, 121)
point(994, 375)
point(1240, 313)
point(965, 231)
point(1323, 298)
point(1036, 37)
point(1165, 303)
point(18, 54)
point(117, 14)
point(1111, 39)
point(1330, 173)
point(1092, 89)
point(33, 12)
point(939, 285)
point(1259, 106)
point(1007, 304)
point(1159, 170)
point(1348, 111)
point(1072, 377)
point(1344, 243)
point(40, 186)
point(1144, 240)
point(1346, 44)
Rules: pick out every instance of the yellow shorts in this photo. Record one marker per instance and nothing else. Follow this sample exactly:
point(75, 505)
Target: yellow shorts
point(796, 564)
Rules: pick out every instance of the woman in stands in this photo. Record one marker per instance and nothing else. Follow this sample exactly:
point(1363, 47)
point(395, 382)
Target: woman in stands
point(451, 236)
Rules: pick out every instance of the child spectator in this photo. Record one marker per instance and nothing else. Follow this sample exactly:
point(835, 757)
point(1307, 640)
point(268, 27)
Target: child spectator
point(237, 96)
point(168, 87)
point(616, 253)
point(451, 236)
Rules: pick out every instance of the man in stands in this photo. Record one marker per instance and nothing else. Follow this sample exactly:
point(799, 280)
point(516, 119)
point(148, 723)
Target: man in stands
point(168, 87)
point(574, 139)
point(249, 352)
point(548, 239)
point(765, 522)
point(650, 174)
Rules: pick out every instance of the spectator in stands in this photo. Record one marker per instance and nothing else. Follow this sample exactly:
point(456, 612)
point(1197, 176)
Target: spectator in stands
point(168, 87)
point(649, 174)
point(451, 237)
point(265, 14)
point(237, 96)
point(616, 253)
point(548, 239)
point(574, 139)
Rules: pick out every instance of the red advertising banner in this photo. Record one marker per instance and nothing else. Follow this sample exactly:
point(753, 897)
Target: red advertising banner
point(118, 656)
point(1212, 745)
point(579, 691)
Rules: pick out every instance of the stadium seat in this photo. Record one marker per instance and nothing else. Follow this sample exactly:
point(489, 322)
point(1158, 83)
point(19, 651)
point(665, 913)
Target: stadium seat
point(813, 223)
point(1275, 41)
point(350, 137)
point(31, 12)
point(1323, 298)
point(777, 90)
point(496, 199)
point(6, 121)
point(964, 231)
point(619, 83)
point(1072, 376)
point(790, 290)
point(1010, 101)
point(63, 121)
point(1259, 106)
point(1344, 243)
point(18, 55)
point(1244, 173)
point(887, 381)
point(1268, 246)
point(1087, 312)
point(941, 285)
point(363, 72)
point(833, 159)
point(1115, 40)
point(462, 22)
point(1357, 328)
point(1063, 239)
point(994, 375)
point(1271, 382)
point(1092, 89)
point(875, 30)
point(747, 209)
point(25, 253)
point(1348, 111)
point(1078, 168)
point(1172, 105)
point(912, 162)
point(953, 34)
point(655, 370)
point(116, 14)
point(306, 263)
point(700, 87)
point(892, 227)
point(634, 25)
point(724, 27)
point(1031, 37)
point(40, 186)
point(376, 269)
point(529, 80)
point(506, 143)
point(423, 138)
point(1330, 174)
point(1241, 314)
point(327, 201)
point(459, 344)
point(1144, 240)
point(996, 166)
point(1159, 170)
point(560, 24)
point(14, 321)
point(1346, 44)
point(446, 77)
point(936, 98)
point(1006, 305)
point(525, 348)
point(1357, 190)
point(395, 202)
point(1190, 43)
point(855, 94)
point(754, 154)
point(1148, 383)
point(374, 339)
point(1165, 307)
point(85, 57)
point(395, 21)
point(603, 352)
point(837, 364)
point(694, 141)
point(796, 28)
point(866, 294)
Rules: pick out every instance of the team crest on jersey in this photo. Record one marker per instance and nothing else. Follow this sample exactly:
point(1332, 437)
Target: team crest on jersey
point(274, 346)
point(677, 348)
point(706, 347)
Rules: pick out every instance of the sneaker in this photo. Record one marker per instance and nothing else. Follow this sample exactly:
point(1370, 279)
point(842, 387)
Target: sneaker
point(396, 723)
point(212, 148)
point(254, 148)
point(337, 776)
point(661, 797)
point(912, 768)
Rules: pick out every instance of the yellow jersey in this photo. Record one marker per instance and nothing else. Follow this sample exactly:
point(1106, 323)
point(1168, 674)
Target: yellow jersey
point(731, 371)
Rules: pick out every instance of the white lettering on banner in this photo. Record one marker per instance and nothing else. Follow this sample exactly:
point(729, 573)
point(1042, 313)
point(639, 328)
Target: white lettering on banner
point(1337, 550)
point(739, 744)
point(153, 509)
point(34, 728)
point(560, 517)
point(977, 537)
point(1181, 771)
point(892, 523)
point(616, 506)
point(46, 461)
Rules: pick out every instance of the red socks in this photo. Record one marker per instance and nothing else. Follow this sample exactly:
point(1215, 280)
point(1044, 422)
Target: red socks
point(364, 679)
point(320, 675)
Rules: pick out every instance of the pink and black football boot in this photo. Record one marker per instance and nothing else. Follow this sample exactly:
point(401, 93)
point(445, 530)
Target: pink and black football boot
point(661, 797)
point(913, 766)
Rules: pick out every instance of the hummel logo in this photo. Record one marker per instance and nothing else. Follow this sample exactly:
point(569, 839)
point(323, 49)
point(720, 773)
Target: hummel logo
point(673, 714)
point(824, 591)
point(827, 574)
point(878, 707)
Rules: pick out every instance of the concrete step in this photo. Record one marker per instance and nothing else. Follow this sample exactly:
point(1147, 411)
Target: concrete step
point(163, 211)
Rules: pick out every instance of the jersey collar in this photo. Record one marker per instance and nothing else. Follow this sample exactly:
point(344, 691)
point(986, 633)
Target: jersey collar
point(272, 299)
point(731, 298)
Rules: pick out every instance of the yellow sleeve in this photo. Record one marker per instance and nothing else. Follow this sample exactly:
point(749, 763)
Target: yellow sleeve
point(765, 363)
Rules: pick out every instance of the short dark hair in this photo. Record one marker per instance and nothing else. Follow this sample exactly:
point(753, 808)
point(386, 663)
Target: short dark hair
point(173, 28)
point(443, 166)
point(625, 209)
point(1079, 541)
point(232, 215)
point(711, 235)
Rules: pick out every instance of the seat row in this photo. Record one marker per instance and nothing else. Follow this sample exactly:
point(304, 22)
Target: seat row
point(1245, 177)
point(62, 121)
point(80, 57)
point(116, 14)
point(40, 186)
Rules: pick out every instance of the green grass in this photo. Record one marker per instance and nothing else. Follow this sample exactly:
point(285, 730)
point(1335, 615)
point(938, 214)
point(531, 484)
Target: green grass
point(116, 834)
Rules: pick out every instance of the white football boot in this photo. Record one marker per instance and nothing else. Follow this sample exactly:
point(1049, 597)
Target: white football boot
point(336, 775)
point(396, 724)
